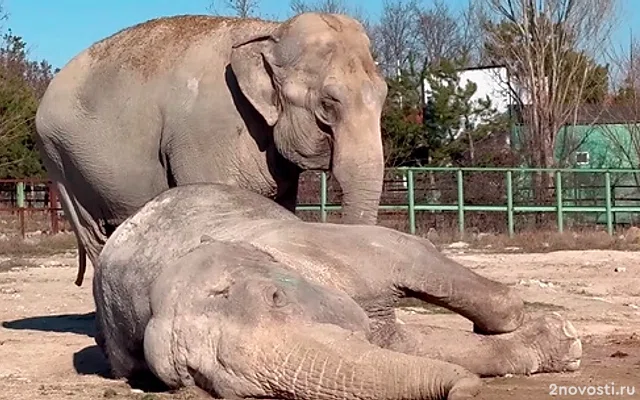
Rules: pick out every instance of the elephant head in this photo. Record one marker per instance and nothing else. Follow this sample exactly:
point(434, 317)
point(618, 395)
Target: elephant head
point(313, 79)
point(237, 324)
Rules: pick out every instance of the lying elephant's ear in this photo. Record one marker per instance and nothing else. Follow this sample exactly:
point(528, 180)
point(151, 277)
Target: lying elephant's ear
point(251, 62)
point(160, 354)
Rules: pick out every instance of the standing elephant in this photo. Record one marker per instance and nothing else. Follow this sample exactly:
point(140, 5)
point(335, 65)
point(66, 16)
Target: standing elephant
point(192, 99)
point(374, 265)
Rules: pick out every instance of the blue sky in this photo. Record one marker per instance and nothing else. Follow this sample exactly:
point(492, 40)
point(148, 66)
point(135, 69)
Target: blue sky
point(57, 30)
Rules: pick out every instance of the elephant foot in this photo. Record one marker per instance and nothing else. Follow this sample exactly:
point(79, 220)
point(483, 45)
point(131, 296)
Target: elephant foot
point(466, 388)
point(546, 344)
point(551, 344)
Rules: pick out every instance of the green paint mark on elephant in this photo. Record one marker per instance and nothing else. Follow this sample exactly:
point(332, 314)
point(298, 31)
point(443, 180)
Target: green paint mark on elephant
point(286, 279)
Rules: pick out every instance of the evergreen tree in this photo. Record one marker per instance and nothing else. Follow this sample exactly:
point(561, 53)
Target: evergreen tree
point(22, 84)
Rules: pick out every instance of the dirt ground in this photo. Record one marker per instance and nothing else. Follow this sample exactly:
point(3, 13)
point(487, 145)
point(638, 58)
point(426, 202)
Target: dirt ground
point(47, 349)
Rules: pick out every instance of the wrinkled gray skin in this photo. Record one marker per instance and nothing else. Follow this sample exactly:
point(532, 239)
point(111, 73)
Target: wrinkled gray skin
point(229, 319)
point(374, 265)
point(193, 99)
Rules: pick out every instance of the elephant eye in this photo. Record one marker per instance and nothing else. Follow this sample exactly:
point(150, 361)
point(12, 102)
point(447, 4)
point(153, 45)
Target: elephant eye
point(276, 297)
point(328, 111)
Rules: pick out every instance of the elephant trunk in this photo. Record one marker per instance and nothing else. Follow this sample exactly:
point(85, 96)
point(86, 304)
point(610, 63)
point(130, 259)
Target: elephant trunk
point(358, 165)
point(329, 363)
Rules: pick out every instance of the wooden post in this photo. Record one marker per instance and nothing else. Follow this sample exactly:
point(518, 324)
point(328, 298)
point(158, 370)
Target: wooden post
point(23, 228)
point(53, 208)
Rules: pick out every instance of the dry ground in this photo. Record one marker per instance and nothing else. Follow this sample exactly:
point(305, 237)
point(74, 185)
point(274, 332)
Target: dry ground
point(47, 349)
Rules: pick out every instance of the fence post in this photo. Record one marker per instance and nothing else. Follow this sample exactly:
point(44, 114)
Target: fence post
point(510, 203)
point(20, 201)
point(20, 194)
point(412, 202)
point(323, 196)
point(53, 201)
point(559, 202)
point(460, 202)
point(607, 196)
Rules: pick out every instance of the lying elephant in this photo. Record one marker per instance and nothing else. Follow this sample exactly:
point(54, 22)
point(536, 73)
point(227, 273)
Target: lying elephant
point(189, 99)
point(376, 266)
point(229, 319)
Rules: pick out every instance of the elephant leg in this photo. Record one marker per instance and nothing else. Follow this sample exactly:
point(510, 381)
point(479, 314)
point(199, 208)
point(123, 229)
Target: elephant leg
point(88, 235)
point(432, 277)
point(99, 337)
point(548, 343)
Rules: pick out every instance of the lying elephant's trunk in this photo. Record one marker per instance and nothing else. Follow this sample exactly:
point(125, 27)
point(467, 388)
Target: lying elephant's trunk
point(294, 360)
point(325, 364)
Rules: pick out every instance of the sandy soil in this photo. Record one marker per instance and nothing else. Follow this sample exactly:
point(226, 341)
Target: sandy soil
point(47, 349)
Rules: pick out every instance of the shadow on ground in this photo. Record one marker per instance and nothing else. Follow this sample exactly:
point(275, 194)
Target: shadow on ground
point(80, 324)
point(91, 361)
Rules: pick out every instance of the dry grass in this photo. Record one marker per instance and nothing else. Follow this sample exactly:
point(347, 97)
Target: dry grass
point(546, 239)
point(38, 240)
point(35, 221)
point(15, 263)
point(41, 245)
point(540, 241)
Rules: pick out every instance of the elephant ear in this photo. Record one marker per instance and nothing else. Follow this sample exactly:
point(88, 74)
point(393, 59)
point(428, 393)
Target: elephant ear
point(251, 62)
point(160, 354)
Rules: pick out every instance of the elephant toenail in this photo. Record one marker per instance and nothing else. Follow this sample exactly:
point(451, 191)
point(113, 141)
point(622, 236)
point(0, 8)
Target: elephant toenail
point(569, 330)
point(576, 349)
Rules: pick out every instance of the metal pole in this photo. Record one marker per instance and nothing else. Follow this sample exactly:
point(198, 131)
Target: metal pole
point(323, 196)
point(20, 194)
point(510, 223)
point(412, 202)
point(460, 202)
point(20, 201)
point(559, 201)
point(607, 196)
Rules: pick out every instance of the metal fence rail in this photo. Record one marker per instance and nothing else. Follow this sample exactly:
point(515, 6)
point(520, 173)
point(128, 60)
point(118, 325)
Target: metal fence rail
point(509, 201)
point(510, 207)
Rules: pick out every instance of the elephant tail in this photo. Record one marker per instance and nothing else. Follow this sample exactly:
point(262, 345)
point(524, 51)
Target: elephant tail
point(88, 237)
point(82, 264)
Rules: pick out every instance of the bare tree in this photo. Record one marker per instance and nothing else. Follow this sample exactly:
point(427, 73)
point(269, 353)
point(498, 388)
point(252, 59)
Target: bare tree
point(333, 7)
point(395, 35)
point(4, 15)
point(470, 32)
point(440, 34)
point(549, 48)
point(628, 68)
point(241, 8)
point(415, 38)
point(623, 133)
point(327, 6)
point(412, 41)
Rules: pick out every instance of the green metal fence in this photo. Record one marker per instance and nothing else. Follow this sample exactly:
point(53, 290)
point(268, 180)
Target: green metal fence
point(510, 206)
